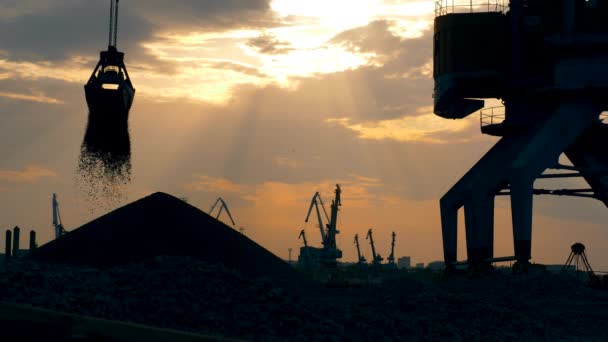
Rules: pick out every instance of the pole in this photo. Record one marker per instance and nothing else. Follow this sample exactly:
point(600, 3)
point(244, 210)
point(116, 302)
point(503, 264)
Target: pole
point(7, 246)
point(16, 238)
point(32, 240)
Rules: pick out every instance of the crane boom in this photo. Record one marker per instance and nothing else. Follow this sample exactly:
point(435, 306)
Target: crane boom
point(222, 207)
point(316, 199)
point(303, 237)
point(391, 258)
point(361, 258)
point(376, 257)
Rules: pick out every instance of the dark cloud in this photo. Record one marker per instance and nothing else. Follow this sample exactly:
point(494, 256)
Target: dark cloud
point(37, 31)
point(269, 44)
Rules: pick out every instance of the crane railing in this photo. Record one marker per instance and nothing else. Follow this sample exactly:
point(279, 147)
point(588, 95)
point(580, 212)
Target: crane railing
point(492, 116)
point(443, 7)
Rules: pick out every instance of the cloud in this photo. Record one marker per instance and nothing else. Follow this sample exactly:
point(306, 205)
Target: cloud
point(31, 174)
point(427, 128)
point(268, 43)
point(287, 162)
point(211, 184)
point(31, 97)
point(79, 27)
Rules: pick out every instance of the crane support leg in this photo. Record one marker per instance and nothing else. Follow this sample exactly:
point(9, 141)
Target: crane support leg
point(521, 212)
point(479, 223)
point(449, 228)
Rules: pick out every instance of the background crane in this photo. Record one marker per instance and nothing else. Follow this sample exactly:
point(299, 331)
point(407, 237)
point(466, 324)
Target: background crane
point(330, 252)
point(391, 257)
point(377, 259)
point(57, 224)
point(360, 258)
point(303, 237)
point(221, 208)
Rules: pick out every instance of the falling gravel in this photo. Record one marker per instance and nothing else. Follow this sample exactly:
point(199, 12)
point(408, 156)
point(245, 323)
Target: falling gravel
point(104, 166)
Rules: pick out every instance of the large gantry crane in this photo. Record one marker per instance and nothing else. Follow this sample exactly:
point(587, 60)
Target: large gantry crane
point(547, 61)
point(57, 224)
point(327, 255)
point(376, 258)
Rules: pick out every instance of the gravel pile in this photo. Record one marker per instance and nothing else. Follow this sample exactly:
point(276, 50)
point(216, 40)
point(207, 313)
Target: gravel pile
point(161, 224)
point(189, 294)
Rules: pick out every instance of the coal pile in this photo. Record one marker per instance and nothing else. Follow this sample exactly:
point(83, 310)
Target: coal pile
point(104, 166)
point(161, 224)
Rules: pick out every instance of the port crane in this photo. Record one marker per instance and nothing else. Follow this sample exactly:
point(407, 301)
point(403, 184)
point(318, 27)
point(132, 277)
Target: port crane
point(360, 258)
point(330, 251)
point(303, 237)
point(376, 258)
point(222, 206)
point(391, 258)
point(57, 224)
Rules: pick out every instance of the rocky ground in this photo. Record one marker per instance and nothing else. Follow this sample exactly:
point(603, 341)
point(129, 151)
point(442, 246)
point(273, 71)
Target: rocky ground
point(186, 294)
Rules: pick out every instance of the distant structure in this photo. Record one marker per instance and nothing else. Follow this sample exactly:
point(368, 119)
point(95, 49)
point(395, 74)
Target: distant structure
point(391, 257)
point(376, 258)
point(404, 262)
point(436, 265)
point(57, 224)
point(420, 265)
point(327, 255)
point(223, 206)
point(578, 261)
point(547, 61)
point(360, 258)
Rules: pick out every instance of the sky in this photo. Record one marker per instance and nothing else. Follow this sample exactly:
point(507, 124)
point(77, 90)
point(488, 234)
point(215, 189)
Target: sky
point(261, 102)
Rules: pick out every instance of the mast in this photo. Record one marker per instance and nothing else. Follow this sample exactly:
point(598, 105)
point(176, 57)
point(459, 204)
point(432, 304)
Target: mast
point(391, 258)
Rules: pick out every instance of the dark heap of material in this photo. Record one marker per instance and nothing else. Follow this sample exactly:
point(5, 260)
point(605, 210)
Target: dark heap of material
point(161, 224)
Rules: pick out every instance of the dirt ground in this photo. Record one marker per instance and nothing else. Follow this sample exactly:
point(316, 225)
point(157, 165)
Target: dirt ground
point(189, 294)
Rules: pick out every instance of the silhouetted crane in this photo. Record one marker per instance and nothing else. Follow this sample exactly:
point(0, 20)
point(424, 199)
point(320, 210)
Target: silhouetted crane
point(360, 258)
point(328, 235)
point(391, 257)
point(57, 224)
point(222, 207)
point(377, 259)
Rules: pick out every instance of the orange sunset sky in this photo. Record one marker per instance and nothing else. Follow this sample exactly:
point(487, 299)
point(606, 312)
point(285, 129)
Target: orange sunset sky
point(262, 102)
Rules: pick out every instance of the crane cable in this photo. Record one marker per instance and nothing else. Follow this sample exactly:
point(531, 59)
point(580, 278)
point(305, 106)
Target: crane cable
point(116, 24)
point(111, 22)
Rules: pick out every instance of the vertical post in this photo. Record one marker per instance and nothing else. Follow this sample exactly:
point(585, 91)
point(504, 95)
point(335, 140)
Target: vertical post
point(16, 237)
point(521, 211)
point(7, 246)
point(449, 230)
point(32, 240)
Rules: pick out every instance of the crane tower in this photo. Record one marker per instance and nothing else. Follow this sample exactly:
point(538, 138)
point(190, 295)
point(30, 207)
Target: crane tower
point(547, 60)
